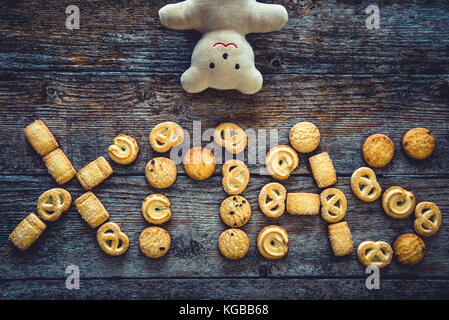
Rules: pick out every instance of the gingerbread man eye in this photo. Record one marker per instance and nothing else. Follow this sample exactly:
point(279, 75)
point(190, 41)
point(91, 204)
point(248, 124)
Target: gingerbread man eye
point(225, 56)
point(237, 66)
point(212, 65)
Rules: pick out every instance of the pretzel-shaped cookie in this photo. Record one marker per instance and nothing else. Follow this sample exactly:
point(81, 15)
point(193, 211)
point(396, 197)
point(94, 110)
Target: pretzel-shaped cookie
point(272, 242)
point(165, 136)
point(375, 253)
point(364, 185)
point(52, 203)
point(398, 203)
point(281, 161)
point(156, 209)
point(272, 199)
point(427, 219)
point(112, 240)
point(235, 176)
point(124, 149)
point(333, 205)
point(230, 136)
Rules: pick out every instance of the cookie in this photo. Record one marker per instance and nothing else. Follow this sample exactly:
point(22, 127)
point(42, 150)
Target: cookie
point(160, 172)
point(375, 253)
point(409, 249)
point(154, 242)
point(40, 138)
point(112, 240)
point(230, 136)
point(272, 242)
point(124, 149)
point(323, 170)
point(398, 203)
point(233, 244)
point(156, 209)
point(53, 203)
point(333, 205)
point(235, 211)
point(165, 136)
point(235, 177)
point(364, 184)
point(272, 200)
point(303, 203)
point(340, 238)
point(427, 219)
point(419, 143)
point(27, 232)
point(378, 150)
point(199, 163)
point(94, 173)
point(304, 137)
point(59, 166)
point(280, 162)
point(91, 209)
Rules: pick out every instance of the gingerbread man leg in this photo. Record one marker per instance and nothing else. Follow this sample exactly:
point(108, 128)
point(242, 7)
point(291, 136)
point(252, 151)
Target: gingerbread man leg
point(265, 17)
point(180, 16)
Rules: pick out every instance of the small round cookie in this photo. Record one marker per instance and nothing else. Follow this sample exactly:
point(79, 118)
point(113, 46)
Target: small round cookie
point(156, 209)
point(233, 244)
point(364, 185)
point(199, 163)
point(124, 149)
point(235, 211)
point(378, 150)
point(375, 253)
point(112, 240)
point(165, 136)
point(427, 219)
point(160, 172)
point(53, 203)
point(272, 242)
point(304, 137)
point(272, 199)
point(235, 176)
point(333, 205)
point(409, 249)
point(419, 143)
point(398, 203)
point(231, 136)
point(154, 242)
point(281, 161)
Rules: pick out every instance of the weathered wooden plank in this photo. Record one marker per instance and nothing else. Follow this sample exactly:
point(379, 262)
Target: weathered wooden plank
point(228, 289)
point(86, 111)
point(195, 229)
point(324, 37)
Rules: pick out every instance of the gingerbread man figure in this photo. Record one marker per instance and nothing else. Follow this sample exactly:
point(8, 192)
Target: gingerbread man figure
point(223, 59)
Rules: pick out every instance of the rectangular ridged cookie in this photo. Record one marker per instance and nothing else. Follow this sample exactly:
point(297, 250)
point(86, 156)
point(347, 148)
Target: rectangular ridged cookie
point(40, 137)
point(323, 170)
point(341, 239)
point(27, 232)
point(91, 209)
point(303, 203)
point(94, 173)
point(59, 166)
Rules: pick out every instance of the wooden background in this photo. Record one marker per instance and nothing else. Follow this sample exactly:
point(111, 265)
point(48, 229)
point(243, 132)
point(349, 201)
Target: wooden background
point(120, 73)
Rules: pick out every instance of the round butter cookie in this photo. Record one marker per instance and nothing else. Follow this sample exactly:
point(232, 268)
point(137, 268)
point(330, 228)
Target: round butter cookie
point(378, 150)
point(304, 137)
point(409, 249)
point(418, 143)
point(154, 242)
point(233, 244)
point(160, 172)
point(235, 211)
point(199, 163)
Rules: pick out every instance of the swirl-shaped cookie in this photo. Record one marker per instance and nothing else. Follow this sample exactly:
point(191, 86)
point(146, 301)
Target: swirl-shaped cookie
point(272, 199)
point(235, 176)
point(398, 203)
point(165, 136)
point(427, 219)
point(156, 209)
point(333, 205)
point(375, 253)
point(112, 240)
point(124, 149)
point(272, 242)
point(52, 203)
point(281, 161)
point(230, 136)
point(364, 185)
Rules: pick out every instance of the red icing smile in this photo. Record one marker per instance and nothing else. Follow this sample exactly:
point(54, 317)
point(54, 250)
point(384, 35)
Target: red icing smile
point(225, 45)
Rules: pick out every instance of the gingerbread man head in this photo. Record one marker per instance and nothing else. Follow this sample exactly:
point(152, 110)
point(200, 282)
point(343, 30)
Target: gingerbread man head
point(223, 59)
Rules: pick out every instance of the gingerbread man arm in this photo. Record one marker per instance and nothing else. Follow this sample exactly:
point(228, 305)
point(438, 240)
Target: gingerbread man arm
point(265, 17)
point(180, 16)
